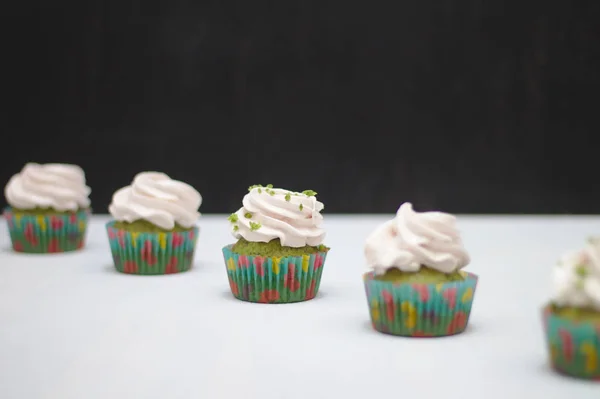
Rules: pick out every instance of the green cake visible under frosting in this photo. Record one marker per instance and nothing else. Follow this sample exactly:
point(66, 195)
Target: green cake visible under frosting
point(143, 226)
point(424, 276)
point(42, 211)
point(273, 248)
point(576, 314)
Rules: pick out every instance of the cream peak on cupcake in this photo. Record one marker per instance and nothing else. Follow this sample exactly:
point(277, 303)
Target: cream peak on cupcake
point(158, 199)
point(577, 278)
point(269, 213)
point(54, 185)
point(415, 239)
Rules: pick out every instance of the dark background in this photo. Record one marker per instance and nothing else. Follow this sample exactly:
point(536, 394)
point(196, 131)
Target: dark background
point(465, 106)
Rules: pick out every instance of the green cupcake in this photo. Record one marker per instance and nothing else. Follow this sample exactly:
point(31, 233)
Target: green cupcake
point(279, 255)
point(49, 208)
point(154, 230)
point(572, 318)
point(416, 286)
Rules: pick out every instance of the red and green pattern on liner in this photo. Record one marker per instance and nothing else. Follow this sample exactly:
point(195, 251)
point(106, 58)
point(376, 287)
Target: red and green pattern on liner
point(47, 232)
point(152, 253)
point(573, 347)
point(263, 279)
point(420, 310)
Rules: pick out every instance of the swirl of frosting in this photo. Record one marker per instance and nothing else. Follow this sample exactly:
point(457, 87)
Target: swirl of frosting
point(577, 278)
point(156, 198)
point(57, 186)
point(413, 239)
point(269, 213)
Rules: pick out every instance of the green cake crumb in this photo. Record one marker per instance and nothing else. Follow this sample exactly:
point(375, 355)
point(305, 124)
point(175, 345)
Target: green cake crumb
point(309, 193)
point(301, 206)
point(143, 226)
point(288, 197)
point(273, 248)
point(576, 314)
point(236, 227)
point(43, 211)
point(424, 276)
point(248, 215)
point(233, 218)
point(255, 226)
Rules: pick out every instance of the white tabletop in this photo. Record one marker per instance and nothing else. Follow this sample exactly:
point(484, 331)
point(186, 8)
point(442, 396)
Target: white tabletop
point(72, 327)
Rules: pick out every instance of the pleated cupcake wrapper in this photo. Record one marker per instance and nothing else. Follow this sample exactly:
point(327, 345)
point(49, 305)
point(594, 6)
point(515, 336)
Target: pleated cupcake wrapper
point(574, 347)
point(272, 279)
point(152, 253)
point(46, 233)
point(420, 310)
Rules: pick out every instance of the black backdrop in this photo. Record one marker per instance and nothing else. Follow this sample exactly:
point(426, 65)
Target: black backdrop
point(466, 106)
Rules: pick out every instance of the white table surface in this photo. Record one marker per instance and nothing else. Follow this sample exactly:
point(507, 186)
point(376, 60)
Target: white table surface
point(72, 327)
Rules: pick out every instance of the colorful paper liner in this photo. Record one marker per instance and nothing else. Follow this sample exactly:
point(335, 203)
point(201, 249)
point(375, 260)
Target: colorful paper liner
point(262, 279)
point(152, 253)
point(46, 233)
point(574, 347)
point(420, 310)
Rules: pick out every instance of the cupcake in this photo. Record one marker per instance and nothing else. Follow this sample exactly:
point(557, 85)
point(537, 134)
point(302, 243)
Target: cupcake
point(572, 318)
point(154, 228)
point(279, 255)
point(48, 208)
point(415, 286)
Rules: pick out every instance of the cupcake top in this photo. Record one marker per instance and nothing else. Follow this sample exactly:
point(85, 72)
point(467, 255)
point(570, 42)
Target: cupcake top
point(53, 185)
point(415, 239)
point(156, 198)
point(269, 213)
point(577, 278)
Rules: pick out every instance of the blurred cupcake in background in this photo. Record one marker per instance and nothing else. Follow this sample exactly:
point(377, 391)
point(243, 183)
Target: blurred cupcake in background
point(415, 286)
point(154, 228)
point(279, 255)
point(572, 319)
point(48, 208)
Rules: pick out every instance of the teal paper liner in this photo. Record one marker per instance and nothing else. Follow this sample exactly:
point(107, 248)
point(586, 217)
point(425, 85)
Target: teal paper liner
point(573, 347)
point(152, 253)
point(420, 310)
point(262, 279)
point(46, 233)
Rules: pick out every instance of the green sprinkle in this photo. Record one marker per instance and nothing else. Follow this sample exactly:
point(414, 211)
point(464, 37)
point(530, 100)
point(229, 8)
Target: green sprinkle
point(309, 193)
point(301, 206)
point(233, 218)
point(288, 197)
point(248, 215)
point(581, 271)
point(254, 226)
point(269, 186)
point(236, 227)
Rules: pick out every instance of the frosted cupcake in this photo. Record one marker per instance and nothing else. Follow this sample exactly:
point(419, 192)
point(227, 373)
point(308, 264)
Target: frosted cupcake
point(48, 208)
point(572, 319)
point(415, 286)
point(279, 255)
point(154, 231)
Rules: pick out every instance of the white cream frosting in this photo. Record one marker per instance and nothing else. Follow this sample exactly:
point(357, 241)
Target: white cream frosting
point(53, 185)
point(269, 213)
point(156, 198)
point(577, 278)
point(414, 239)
